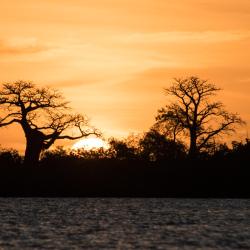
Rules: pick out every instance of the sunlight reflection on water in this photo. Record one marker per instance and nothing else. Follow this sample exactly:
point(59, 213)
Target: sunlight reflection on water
point(97, 223)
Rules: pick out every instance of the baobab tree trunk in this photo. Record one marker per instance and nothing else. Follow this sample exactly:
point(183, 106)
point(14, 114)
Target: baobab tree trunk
point(193, 145)
point(33, 151)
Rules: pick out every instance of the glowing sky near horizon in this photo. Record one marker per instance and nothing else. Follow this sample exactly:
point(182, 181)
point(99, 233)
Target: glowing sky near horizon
point(112, 58)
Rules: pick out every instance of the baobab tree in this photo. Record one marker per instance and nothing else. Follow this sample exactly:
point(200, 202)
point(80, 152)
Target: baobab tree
point(195, 114)
point(44, 116)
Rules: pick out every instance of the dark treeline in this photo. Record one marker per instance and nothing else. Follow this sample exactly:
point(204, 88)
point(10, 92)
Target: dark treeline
point(124, 170)
point(180, 155)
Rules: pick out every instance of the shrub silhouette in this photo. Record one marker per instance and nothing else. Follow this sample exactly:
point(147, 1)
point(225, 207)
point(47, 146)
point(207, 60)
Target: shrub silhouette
point(10, 157)
point(156, 147)
point(121, 150)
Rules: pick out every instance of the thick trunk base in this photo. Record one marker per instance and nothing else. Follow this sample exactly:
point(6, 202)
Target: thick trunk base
point(32, 154)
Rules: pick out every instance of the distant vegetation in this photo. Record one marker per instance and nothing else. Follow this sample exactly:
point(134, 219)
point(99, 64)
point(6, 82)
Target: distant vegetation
point(178, 156)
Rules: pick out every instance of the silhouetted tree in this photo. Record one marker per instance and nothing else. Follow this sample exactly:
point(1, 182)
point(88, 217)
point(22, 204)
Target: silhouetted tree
point(58, 153)
point(195, 114)
point(221, 151)
point(43, 115)
point(121, 150)
point(241, 151)
point(156, 147)
point(170, 128)
point(9, 157)
point(93, 154)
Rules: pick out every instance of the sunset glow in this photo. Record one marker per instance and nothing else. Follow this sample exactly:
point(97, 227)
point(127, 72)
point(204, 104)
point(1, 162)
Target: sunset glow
point(90, 143)
point(112, 58)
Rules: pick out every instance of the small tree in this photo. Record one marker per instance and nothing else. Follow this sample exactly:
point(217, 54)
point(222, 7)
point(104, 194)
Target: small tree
point(43, 115)
point(156, 147)
point(9, 157)
point(195, 114)
point(121, 150)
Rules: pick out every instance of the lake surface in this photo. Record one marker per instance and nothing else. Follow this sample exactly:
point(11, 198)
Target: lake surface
point(127, 223)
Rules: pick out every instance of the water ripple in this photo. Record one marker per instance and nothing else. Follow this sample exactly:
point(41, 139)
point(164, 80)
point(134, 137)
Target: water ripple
point(127, 223)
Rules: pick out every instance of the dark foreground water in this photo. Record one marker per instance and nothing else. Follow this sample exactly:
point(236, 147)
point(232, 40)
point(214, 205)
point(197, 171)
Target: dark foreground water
point(34, 223)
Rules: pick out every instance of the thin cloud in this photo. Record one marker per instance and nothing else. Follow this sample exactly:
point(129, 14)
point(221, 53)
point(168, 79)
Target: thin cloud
point(75, 83)
point(21, 46)
point(186, 37)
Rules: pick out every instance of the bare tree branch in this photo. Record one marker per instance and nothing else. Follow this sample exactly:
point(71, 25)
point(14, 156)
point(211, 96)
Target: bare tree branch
point(43, 115)
point(195, 113)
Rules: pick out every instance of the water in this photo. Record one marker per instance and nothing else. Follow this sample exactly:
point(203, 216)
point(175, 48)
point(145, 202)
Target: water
point(73, 223)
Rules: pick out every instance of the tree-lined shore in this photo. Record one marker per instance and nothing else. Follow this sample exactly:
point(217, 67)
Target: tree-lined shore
point(183, 154)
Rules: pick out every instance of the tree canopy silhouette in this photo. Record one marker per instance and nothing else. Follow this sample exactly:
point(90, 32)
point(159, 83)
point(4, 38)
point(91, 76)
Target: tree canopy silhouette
point(195, 114)
point(157, 147)
point(43, 114)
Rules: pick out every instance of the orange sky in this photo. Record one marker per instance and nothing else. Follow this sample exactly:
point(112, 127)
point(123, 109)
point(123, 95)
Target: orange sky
point(112, 58)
